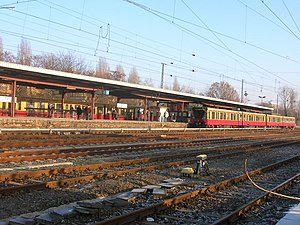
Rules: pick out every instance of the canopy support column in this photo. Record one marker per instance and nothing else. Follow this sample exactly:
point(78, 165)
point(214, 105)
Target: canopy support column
point(93, 105)
point(13, 98)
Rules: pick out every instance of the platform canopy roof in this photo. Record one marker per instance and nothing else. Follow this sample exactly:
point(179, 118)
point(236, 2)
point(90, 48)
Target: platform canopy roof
point(69, 82)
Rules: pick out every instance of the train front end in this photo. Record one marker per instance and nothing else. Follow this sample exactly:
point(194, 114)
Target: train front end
point(198, 117)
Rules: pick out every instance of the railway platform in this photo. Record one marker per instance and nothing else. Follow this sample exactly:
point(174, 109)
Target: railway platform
point(49, 123)
point(292, 217)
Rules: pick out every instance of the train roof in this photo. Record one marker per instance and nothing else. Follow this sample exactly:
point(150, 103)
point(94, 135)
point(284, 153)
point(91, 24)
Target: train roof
point(70, 82)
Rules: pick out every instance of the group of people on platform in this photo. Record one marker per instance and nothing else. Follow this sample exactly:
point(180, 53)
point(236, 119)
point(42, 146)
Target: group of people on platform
point(149, 115)
point(84, 113)
point(78, 113)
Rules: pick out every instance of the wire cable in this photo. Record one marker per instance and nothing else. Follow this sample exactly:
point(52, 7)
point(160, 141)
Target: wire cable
point(265, 190)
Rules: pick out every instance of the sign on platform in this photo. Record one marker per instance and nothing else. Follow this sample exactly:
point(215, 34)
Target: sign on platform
point(5, 99)
point(122, 105)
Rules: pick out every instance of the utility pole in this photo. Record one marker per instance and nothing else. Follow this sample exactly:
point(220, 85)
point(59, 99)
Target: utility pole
point(277, 105)
point(242, 91)
point(162, 75)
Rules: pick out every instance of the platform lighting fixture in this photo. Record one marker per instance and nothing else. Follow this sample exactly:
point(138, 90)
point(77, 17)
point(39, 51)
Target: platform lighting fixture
point(261, 98)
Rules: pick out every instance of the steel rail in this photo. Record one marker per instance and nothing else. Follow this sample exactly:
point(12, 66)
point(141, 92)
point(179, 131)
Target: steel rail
point(146, 211)
point(120, 130)
point(32, 155)
point(237, 214)
point(71, 181)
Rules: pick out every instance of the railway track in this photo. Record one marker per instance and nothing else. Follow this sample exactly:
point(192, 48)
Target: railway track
point(35, 180)
point(110, 172)
point(121, 146)
point(22, 140)
point(224, 202)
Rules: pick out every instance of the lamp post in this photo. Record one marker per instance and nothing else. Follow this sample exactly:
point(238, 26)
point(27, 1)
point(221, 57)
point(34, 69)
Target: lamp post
point(261, 98)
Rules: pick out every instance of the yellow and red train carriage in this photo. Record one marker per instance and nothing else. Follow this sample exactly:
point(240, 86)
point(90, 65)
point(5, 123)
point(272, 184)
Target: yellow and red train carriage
point(214, 117)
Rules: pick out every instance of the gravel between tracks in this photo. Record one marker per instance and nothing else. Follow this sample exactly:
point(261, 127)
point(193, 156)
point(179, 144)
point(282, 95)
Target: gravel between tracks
point(221, 169)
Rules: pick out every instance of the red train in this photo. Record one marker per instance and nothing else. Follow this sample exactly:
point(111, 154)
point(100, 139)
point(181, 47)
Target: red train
point(212, 117)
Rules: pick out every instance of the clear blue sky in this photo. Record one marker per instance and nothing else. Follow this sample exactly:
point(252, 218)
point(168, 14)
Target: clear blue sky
point(233, 40)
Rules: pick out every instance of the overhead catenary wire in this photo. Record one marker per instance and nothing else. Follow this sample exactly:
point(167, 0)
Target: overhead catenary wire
point(296, 25)
point(263, 2)
point(210, 41)
point(133, 47)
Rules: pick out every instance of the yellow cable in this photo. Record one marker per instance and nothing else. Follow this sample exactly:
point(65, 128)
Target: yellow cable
point(262, 189)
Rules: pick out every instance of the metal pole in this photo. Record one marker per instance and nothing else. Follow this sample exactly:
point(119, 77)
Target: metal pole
point(162, 75)
point(277, 105)
point(242, 91)
point(13, 98)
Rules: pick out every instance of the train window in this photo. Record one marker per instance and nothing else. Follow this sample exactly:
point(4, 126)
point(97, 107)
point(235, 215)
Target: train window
point(19, 106)
point(58, 106)
point(213, 115)
point(221, 115)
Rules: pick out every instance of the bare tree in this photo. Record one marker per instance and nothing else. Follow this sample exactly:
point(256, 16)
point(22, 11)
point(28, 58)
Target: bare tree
point(288, 97)
point(9, 57)
point(134, 76)
point(103, 69)
point(187, 89)
point(222, 90)
point(24, 53)
point(65, 62)
point(176, 85)
point(1, 50)
point(47, 61)
point(119, 73)
point(148, 82)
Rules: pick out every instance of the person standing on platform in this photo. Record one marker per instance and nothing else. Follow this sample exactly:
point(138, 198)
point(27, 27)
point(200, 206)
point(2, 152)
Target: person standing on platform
point(71, 112)
point(166, 116)
point(50, 110)
point(79, 112)
point(89, 112)
point(159, 116)
point(85, 113)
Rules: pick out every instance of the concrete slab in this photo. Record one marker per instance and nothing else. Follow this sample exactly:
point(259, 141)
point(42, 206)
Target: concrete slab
point(158, 193)
point(292, 217)
point(127, 196)
point(65, 212)
point(4, 223)
point(86, 211)
point(95, 204)
point(139, 190)
point(171, 180)
point(48, 218)
point(167, 185)
point(151, 187)
point(22, 221)
point(117, 202)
